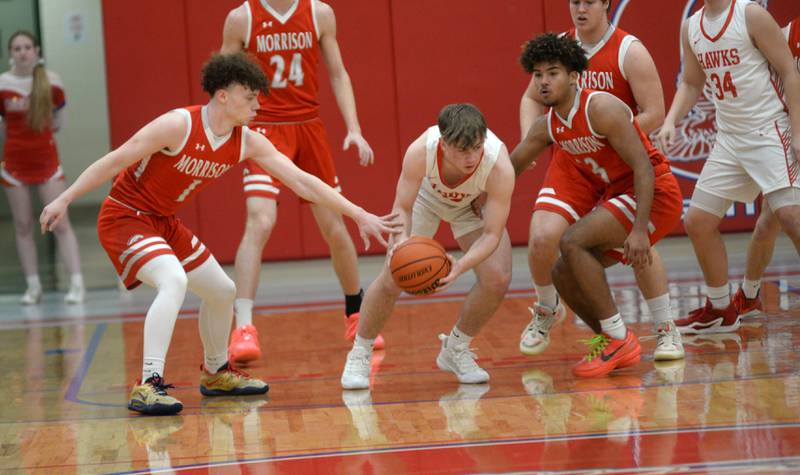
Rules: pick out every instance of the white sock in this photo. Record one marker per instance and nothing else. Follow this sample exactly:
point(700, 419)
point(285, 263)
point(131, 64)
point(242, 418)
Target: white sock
point(76, 280)
point(751, 287)
point(243, 309)
point(614, 327)
point(152, 366)
point(458, 337)
point(546, 295)
point(365, 343)
point(33, 282)
point(720, 296)
point(660, 309)
point(214, 362)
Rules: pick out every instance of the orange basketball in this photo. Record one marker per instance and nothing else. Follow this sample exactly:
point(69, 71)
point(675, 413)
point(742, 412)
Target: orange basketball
point(417, 265)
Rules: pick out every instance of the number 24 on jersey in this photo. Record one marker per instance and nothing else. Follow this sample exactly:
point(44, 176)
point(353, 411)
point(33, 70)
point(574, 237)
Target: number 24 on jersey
point(295, 71)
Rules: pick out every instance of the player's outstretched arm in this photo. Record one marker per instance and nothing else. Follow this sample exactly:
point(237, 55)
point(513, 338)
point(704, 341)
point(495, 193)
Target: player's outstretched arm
point(499, 188)
point(165, 132)
point(311, 188)
point(769, 39)
point(234, 31)
point(646, 86)
point(341, 84)
point(530, 109)
point(535, 142)
point(689, 90)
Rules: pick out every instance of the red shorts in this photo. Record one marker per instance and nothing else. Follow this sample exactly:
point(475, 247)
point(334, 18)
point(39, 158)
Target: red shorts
point(664, 214)
point(11, 179)
point(131, 239)
point(305, 143)
point(565, 191)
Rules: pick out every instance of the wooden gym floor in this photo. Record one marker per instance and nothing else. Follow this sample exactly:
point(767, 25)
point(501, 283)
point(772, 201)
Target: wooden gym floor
point(732, 406)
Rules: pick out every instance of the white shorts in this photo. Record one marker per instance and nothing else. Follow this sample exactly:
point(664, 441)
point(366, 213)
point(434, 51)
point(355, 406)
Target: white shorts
point(741, 166)
point(428, 213)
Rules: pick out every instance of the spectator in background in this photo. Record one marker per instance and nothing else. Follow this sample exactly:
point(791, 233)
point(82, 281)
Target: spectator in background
point(31, 107)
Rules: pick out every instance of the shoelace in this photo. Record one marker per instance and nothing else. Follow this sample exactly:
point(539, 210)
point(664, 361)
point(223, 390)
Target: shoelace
point(157, 382)
point(596, 345)
point(358, 361)
point(465, 359)
point(229, 368)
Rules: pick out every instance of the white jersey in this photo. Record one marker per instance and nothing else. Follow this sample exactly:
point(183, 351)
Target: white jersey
point(456, 195)
point(744, 92)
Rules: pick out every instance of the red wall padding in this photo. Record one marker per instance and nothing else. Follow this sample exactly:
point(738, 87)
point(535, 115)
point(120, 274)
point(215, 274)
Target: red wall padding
point(406, 59)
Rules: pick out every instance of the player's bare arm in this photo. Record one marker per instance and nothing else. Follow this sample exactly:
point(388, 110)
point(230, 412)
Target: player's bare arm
point(611, 118)
point(234, 32)
point(689, 90)
point(530, 109)
point(165, 132)
point(499, 188)
point(311, 188)
point(646, 86)
point(528, 151)
point(768, 38)
point(340, 83)
point(408, 184)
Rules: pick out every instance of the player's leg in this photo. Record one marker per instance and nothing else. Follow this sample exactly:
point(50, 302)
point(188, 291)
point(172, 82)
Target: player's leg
point(480, 304)
point(786, 203)
point(652, 281)
point(759, 255)
point(67, 243)
point(19, 200)
point(217, 291)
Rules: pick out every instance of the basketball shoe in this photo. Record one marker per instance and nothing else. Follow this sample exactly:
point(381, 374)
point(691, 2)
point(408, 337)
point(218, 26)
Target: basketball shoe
point(357, 368)
point(76, 293)
point(746, 307)
point(668, 342)
point(151, 397)
point(230, 381)
point(607, 354)
point(32, 296)
point(244, 346)
point(351, 328)
point(459, 360)
point(710, 320)
point(536, 336)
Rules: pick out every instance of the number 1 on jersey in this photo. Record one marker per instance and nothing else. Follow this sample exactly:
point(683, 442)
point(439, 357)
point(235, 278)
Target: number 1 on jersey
point(295, 71)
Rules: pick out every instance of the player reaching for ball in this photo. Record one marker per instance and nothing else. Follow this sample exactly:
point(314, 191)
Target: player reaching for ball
point(443, 171)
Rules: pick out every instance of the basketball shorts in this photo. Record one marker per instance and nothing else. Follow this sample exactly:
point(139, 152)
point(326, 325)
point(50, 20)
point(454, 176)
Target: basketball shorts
point(740, 166)
point(132, 239)
point(429, 211)
point(565, 191)
point(665, 212)
point(305, 143)
point(11, 179)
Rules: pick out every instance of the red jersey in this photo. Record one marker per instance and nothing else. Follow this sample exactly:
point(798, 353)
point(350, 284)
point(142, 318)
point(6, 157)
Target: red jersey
point(161, 183)
point(286, 48)
point(28, 154)
point(793, 36)
point(606, 70)
point(592, 153)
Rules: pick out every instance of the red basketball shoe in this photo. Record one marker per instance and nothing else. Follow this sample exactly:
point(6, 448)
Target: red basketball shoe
point(351, 328)
point(607, 354)
point(244, 345)
point(710, 320)
point(746, 307)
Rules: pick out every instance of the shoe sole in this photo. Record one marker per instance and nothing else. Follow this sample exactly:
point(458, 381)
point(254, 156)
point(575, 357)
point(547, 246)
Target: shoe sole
point(233, 392)
point(155, 410)
point(442, 366)
point(689, 330)
point(245, 356)
point(535, 351)
point(751, 313)
point(668, 356)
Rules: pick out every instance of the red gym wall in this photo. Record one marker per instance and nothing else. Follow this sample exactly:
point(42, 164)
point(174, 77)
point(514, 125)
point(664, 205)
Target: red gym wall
point(406, 59)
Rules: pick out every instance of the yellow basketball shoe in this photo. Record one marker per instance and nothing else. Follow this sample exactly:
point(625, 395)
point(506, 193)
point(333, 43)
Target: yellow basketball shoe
point(230, 381)
point(151, 397)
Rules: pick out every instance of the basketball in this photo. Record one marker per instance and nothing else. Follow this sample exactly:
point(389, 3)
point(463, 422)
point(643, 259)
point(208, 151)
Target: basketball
point(417, 265)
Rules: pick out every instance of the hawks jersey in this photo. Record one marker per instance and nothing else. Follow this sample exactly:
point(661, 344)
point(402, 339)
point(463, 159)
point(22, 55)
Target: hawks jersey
point(792, 33)
point(745, 94)
point(286, 46)
point(606, 71)
point(592, 153)
point(161, 183)
point(27, 151)
point(456, 195)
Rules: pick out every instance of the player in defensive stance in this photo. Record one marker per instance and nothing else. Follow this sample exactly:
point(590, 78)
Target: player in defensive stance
point(641, 202)
point(732, 44)
point(444, 169)
point(157, 170)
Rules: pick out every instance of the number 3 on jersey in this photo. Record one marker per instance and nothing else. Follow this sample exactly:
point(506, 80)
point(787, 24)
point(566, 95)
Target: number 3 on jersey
point(723, 86)
point(295, 71)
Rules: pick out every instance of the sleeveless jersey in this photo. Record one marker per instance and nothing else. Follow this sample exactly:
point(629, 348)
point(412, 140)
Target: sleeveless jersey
point(606, 71)
point(27, 152)
point(161, 183)
point(458, 195)
point(592, 153)
point(286, 47)
point(744, 92)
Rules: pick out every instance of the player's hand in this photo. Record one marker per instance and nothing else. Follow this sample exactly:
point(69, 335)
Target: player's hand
point(377, 226)
point(52, 214)
point(477, 205)
point(366, 156)
point(637, 249)
point(455, 271)
point(665, 135)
